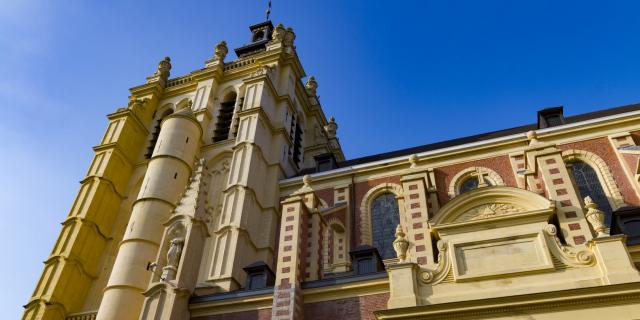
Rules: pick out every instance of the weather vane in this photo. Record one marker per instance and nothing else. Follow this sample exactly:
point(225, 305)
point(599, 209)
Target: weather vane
point(269, 10)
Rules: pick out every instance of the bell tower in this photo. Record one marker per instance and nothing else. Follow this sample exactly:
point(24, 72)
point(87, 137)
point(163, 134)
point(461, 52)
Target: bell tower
point(183, 191)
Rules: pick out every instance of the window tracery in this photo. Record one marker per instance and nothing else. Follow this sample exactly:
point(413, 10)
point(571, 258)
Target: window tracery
point(385, 216)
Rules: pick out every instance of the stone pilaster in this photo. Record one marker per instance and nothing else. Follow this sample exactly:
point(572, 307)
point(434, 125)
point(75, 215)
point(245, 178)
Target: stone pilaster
point(545, 161)
point(628, 154)
point(287, 295)
point(416, 210)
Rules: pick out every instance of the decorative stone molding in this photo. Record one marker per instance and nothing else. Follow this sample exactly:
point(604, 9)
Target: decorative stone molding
point(490, 201)
point(438, 274)
point(490, 210)
point(365, 208)
point(571, 256)
point(602, 170)
point(400, 244)
point(483, 175)
point(595, 217)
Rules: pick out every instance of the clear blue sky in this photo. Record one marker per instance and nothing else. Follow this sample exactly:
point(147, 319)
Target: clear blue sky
point(395, 74)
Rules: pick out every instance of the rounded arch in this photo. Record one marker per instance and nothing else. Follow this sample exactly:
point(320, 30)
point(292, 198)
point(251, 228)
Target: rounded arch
point(459, 178)
point(365, 208)
point(601, 168)
point(505, 199)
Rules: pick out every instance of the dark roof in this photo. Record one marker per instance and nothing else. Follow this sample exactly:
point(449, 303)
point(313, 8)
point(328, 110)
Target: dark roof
point(478, 137)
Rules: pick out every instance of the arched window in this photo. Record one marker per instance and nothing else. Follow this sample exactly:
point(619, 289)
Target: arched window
point(588, 184)
point(156, 133)
point(224, 118)
point(473, 183)
point(385, 216)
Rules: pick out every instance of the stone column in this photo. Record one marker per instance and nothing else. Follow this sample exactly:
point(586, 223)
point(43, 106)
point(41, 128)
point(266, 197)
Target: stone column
point(167, 174)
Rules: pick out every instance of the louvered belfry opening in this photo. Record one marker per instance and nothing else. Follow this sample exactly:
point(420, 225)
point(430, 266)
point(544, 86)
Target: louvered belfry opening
point(155, 134)
point(225, 116)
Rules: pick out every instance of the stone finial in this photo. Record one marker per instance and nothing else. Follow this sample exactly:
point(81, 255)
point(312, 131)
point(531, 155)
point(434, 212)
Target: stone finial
point(164, 68)
point(306, 180)
point(289, 37)
point(220, 51)
point(311, 86)
point(278, 33)
point(413, 160)
point(331, 128)
point(595, 217)
point(162, 72)
point(533, 137)
point(400, 244)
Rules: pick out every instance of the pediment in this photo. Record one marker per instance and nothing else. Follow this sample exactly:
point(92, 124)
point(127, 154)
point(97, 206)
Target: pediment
point(490, 210)
point(490, 202)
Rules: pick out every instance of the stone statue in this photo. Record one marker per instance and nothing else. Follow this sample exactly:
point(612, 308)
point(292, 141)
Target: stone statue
point(595, 217)
point(174, 252)
point(400, 245)
point(220, 51)
point(331, 128)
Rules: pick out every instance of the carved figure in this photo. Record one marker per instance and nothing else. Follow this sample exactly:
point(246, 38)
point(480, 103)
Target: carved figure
point(400, 245)
point(595, 217)
point(331, 128)
point(174, 252)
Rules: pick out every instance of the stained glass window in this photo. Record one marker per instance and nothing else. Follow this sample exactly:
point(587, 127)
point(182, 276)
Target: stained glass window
point(469, 185)
point(589, 185)
point(385, 216)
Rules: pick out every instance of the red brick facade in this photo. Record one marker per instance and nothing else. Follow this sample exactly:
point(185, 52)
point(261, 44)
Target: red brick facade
point(356, 308)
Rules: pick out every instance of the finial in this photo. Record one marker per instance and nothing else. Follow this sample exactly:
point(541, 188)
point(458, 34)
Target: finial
point(220, 51)
point(162, 72)
point(413, 160)
point(306, 179)
point(533, 137)
point(331, 128)
point(400, 244)
point(311, 85)
point(268, 9)
point(595, 217)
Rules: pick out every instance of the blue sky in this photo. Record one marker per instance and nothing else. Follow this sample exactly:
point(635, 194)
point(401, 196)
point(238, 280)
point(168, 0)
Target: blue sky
point(395, 74)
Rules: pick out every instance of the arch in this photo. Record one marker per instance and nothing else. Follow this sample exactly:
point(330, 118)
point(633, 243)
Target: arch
point(365, 208)
point(499, 199)
point(603, 172)
point(332, 254)
point(225, 116)
point(462, 176)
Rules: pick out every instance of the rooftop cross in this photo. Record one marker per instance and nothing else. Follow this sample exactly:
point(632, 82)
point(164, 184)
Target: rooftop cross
point(268, 9)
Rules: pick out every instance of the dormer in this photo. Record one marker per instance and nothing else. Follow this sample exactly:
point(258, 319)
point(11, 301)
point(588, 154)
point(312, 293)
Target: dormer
point(550, 117)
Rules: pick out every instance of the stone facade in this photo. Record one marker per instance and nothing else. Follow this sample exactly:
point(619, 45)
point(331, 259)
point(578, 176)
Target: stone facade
point(224, 194)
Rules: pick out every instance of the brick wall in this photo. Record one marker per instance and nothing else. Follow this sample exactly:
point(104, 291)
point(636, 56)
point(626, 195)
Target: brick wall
point(604, 150)
point(262, 314)
point(350, 308)
point(500, 165)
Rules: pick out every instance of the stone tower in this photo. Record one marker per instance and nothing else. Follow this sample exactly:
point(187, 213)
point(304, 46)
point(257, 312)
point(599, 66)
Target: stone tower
point(183, 192)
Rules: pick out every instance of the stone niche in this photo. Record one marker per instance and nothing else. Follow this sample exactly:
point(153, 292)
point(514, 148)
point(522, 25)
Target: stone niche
point(497, 231)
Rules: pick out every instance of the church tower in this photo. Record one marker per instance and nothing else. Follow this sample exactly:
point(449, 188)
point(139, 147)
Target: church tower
point(183, 192)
